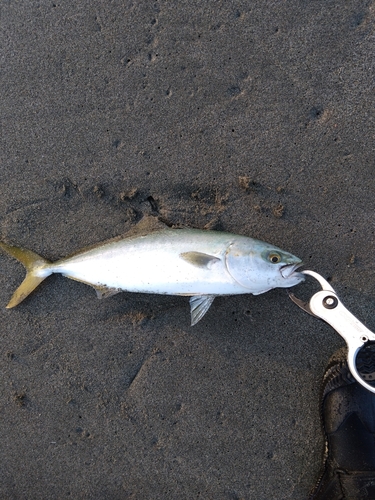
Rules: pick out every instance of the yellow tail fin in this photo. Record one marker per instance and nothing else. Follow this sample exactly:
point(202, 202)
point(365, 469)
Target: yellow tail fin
point(37, 269)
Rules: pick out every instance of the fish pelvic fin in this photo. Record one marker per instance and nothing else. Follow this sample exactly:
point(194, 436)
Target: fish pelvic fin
point(37, 269)
point(199, 305)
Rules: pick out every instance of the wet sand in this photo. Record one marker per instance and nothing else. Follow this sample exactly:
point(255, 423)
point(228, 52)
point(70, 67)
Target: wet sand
point(251, 117)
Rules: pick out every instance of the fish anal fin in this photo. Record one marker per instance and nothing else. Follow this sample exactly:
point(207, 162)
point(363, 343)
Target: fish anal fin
point(199, 305)
point(199, 259)
point(103, 292)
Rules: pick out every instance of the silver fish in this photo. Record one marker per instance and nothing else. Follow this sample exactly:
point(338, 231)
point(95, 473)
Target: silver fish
point(153, 258)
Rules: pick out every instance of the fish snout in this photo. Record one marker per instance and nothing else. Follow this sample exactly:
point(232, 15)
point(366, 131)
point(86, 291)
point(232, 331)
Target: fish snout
point(289, 270)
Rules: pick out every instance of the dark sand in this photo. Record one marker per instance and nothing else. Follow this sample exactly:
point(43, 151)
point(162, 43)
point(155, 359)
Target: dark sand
point(253, 117)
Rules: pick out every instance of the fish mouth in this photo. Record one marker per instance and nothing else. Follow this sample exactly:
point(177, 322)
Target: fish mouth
point(289, 270)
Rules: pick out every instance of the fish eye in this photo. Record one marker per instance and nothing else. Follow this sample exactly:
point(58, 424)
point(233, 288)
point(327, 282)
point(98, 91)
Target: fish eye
point(275, 258)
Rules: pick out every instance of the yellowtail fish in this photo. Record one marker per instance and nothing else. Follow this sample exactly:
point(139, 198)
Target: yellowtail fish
point(153, 258)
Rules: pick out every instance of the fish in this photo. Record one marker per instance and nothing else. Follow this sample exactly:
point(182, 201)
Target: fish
point(155, 258)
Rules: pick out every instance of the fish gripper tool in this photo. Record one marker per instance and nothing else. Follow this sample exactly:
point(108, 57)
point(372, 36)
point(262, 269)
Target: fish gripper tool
point(326, 305)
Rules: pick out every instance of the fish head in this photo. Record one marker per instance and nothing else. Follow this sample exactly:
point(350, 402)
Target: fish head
point(259, 266)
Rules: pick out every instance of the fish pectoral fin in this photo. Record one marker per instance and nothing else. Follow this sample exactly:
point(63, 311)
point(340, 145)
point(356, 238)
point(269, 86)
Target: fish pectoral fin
point(103, 292)
point(199, 305)
point(199, 259)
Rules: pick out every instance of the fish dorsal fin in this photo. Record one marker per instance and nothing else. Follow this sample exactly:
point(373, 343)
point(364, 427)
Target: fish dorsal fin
point(199, 259)
point(146, 225)
point(104, 292)
point(199, 305)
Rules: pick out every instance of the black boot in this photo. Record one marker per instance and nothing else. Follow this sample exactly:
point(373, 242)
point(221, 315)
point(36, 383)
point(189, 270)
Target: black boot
point(348, 417)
